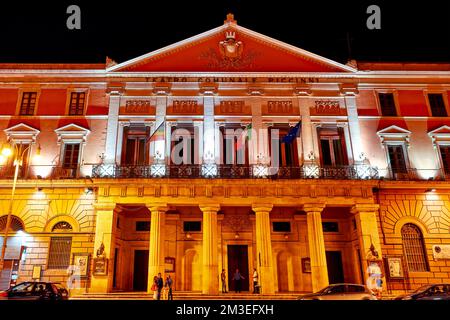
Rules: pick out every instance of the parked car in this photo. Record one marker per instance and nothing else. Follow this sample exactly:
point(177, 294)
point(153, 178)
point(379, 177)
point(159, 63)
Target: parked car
point(36, 291)
point(341, 291)
point(428, 292)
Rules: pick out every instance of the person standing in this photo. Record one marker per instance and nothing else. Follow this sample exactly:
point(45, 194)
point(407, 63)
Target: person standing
point(159, 286)
point(255, 281)
point(238, 281)
point(223, 277)
point(169, 282)
point(154, 288)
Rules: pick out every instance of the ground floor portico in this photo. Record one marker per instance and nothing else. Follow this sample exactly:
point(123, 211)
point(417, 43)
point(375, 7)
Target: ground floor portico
point(299, 244)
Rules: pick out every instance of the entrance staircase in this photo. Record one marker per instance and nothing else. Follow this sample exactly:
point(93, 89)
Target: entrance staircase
point(186, 295)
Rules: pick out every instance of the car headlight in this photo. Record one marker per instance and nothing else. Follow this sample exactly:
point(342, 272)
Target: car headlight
point(407, 298)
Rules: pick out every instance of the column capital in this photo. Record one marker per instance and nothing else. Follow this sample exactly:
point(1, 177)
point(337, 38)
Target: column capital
point(104, 206)
point(313, 207)
point(208, 207)
point(262, 207)
point(360, 208)
point(157, 207)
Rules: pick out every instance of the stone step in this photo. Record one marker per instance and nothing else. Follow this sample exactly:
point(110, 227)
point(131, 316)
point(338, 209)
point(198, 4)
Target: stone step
point(185, 296)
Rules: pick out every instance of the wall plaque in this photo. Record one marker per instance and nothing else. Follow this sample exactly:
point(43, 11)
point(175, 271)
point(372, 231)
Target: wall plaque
point(185, 106)
point(100, 266)
point(441, 251)
point(137, 107)
point(327, 107)
point(279, 106)
point(231, 106)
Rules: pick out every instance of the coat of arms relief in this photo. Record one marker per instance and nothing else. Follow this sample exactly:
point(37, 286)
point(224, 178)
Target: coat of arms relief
point(231, 54)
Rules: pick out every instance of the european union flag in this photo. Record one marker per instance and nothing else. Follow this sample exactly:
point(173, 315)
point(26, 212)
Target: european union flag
point(293, 133)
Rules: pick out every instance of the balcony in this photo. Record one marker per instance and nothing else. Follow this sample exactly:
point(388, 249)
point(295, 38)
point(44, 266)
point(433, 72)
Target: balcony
point(41, 172)
point(257, 171)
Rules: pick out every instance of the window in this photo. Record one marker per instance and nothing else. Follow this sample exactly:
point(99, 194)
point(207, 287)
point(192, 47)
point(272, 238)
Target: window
point(28, 103)
point(330, 226)
point(414, 248)
point(71, 154)
point(281, 226)
point(387, 104)
point(445, 156)
point(192, 226)
point(437, 105)
point(59, 252)
point(287, 153)
point(62, 226)
point(183, 145)
point(397, 160)
point(234, 145)
point(135, 149)
point(76, 106)
point(142, 225)
point(15, 224)
point(332, 147)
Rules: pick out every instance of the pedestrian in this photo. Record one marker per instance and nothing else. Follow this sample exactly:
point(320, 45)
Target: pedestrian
point(169, 283)
point(255, 281)
point(159, 286)
point(154, 288)
point(223, 277)
point(238, 281)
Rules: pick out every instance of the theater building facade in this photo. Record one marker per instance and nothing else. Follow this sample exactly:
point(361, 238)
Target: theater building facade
point(226, 150)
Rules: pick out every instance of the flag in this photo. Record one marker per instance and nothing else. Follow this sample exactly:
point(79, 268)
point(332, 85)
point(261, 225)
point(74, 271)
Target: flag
point(293, 133)
point(158, 134)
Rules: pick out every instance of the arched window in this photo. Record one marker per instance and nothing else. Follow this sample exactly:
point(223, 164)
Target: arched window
point(62, 226)
point(414, 248)
point(16, 224)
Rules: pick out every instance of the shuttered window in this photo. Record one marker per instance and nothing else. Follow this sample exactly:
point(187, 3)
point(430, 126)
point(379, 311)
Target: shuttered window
point(28, 103)
point(387, 104)
point(437, 105)
point(77, 100)
point(59, 252)
point(414, 248)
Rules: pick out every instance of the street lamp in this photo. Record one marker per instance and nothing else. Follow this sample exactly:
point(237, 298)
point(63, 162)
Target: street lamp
point(19, 154)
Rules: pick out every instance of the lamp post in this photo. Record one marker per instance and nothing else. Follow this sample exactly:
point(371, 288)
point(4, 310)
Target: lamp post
point(18, 161)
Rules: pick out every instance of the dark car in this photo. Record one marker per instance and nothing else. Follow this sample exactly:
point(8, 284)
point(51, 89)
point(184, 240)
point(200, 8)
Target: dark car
point(341, 291)
point(36, 291)
point(428, 292)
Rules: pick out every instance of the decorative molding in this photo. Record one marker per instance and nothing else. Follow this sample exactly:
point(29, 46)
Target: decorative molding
point(22, 133)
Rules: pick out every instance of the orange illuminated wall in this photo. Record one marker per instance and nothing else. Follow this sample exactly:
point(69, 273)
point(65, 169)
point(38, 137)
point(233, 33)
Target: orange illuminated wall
point(412, 103)
point(8, 101)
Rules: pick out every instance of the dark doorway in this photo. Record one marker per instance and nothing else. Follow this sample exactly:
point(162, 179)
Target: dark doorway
point(238, 259)
point(335, 268)
point(140, 275)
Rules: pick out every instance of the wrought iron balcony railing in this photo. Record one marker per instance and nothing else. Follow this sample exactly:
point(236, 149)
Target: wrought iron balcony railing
point(233, 171)
point(41, 172)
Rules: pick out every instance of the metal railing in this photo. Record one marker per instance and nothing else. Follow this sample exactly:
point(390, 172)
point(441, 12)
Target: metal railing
point(42, 172)
point(233, 171)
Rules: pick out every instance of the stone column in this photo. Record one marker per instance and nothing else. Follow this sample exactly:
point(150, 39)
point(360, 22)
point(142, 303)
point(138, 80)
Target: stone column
point(161, 106)
point(259, 143)
point(264, 259)
point(156, 245)
point(367, 228)
point(208, 128)
point(104, 234)
point(306, 134)
point(353, 124)
point(210, 275)
point(112, 129)
point(319, 271)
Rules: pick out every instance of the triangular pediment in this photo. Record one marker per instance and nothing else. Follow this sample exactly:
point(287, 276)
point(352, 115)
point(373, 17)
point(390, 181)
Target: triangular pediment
point(21, 128)
point(72, 128)
point(230, 48)
point(444, 130)
point(393, 130)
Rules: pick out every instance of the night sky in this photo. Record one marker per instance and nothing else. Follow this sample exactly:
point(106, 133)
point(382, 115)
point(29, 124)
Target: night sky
point(37, 32)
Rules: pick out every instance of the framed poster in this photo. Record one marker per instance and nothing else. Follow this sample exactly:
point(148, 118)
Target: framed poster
point(306, 265)
point(100, 266)
point(36, 273)
point(81, 264)
point(169, 263)
point(395, 267)
point(375, 268)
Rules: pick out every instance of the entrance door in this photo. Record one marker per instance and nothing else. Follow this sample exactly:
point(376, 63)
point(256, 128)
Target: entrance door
point(140, 275)
point(238, 259)
point(335, 268)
